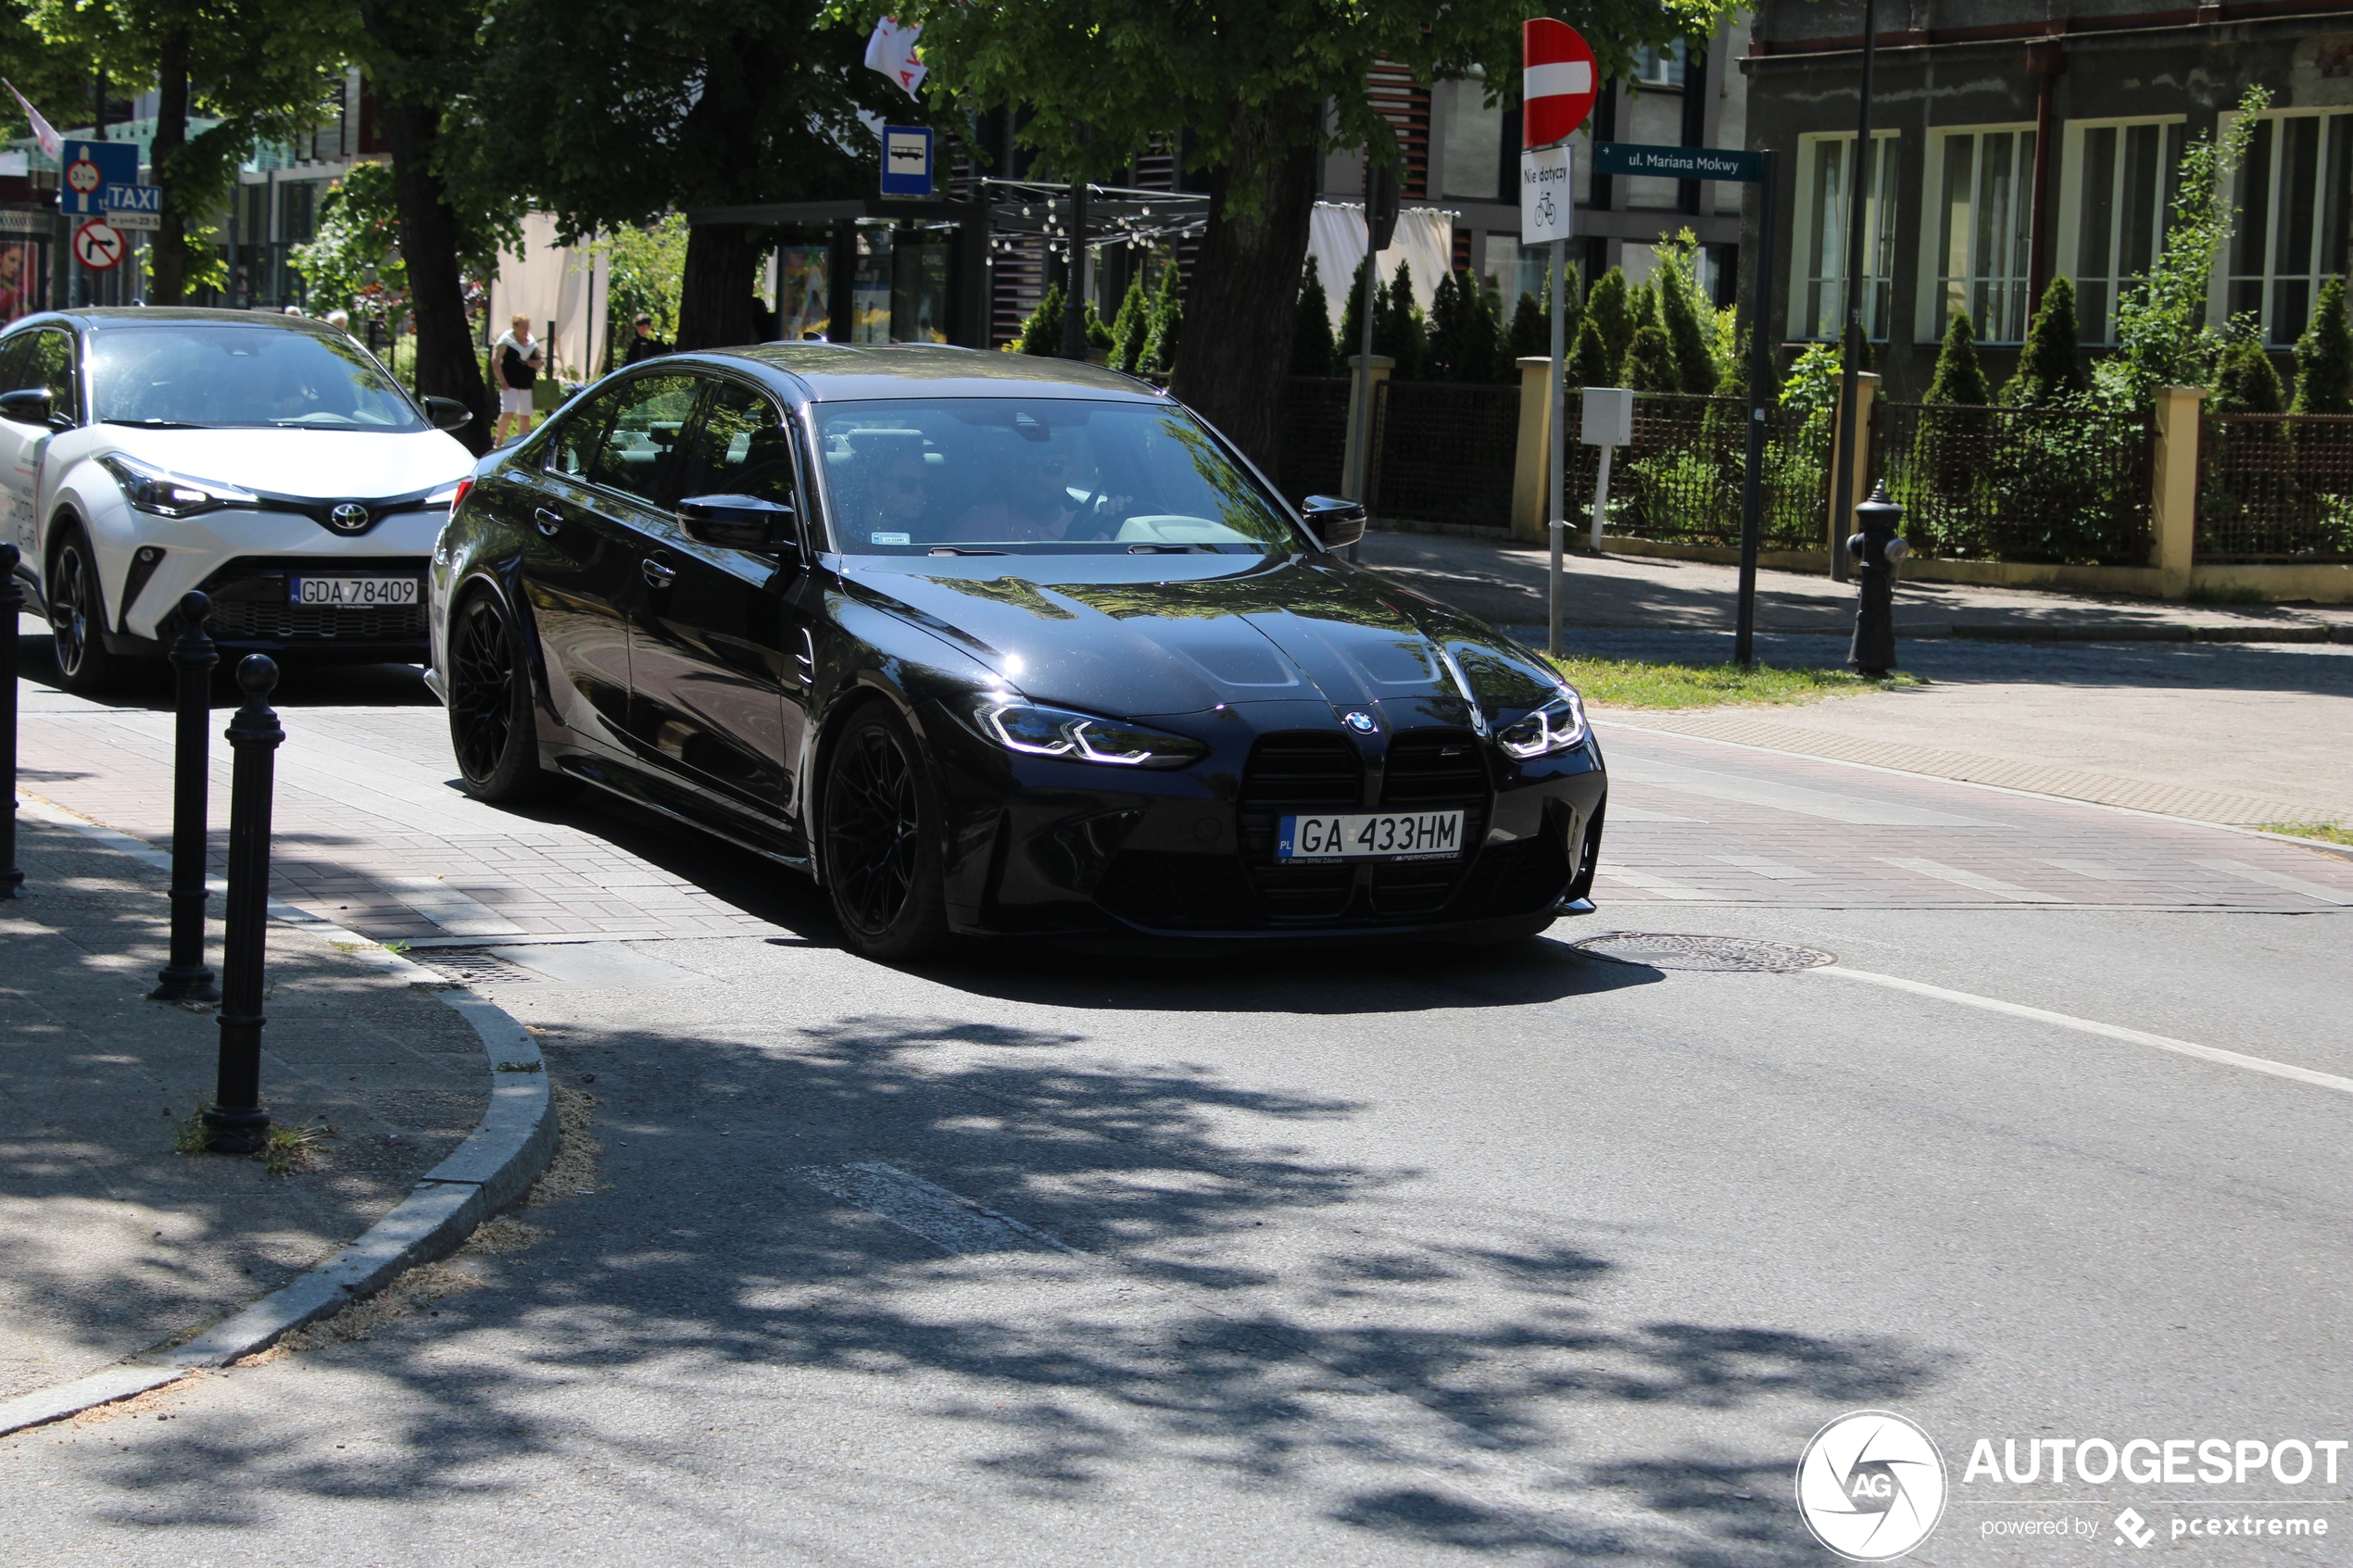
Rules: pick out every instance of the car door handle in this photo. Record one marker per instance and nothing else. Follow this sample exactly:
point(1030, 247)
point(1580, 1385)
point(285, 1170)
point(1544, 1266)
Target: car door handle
point(659, 572)
point(548, 521)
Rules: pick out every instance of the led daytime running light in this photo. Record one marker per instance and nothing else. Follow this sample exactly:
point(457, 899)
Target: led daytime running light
point(164, 493)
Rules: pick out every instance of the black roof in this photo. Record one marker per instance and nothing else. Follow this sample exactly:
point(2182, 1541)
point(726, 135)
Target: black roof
point(850, 372)
point(105, 315)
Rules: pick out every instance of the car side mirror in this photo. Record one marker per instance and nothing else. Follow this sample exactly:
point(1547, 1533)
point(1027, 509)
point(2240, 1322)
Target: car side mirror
point(1337, 524)
point(29, 406)
point(739, 523)
point(447, 413)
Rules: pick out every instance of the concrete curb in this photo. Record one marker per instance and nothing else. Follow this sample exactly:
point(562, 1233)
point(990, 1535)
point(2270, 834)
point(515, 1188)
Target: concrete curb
point(492, 1169)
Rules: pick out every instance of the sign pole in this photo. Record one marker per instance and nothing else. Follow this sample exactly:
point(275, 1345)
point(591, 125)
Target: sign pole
point(1760, 398)
point(1846, 437)
point(1557, 481)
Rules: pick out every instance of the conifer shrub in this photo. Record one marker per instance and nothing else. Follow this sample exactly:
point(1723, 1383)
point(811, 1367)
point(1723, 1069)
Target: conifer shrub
point(2324, 356)
point(2050, 369)
point(1131, 326)
point(1311, 332)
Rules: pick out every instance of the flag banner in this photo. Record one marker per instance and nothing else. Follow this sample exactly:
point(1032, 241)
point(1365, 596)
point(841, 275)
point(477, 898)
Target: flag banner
point(893, 52)
point(43, 131)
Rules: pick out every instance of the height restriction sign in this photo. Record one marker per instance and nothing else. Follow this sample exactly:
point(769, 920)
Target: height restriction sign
point(98, 246)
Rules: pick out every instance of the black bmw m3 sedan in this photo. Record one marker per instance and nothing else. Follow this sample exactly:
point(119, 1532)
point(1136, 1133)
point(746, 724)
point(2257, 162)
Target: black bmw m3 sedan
point(997, 645)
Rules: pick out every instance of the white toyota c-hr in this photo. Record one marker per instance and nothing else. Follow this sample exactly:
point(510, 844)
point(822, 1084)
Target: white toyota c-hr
point(269, 460)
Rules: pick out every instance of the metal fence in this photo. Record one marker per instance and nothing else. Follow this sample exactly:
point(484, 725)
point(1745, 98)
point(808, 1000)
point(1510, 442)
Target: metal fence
point(1314, 436)
point(1680, 481)
point(1447, 452)
point(2018, 485)
point(2275, 487)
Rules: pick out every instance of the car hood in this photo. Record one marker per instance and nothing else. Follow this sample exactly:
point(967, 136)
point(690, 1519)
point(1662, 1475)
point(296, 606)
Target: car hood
point(1137, 636)
point(311, 465)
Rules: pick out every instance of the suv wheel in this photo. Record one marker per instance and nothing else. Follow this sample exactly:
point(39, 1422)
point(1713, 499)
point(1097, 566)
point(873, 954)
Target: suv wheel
point(491, 725)
point(78, 618)
point(882, 841)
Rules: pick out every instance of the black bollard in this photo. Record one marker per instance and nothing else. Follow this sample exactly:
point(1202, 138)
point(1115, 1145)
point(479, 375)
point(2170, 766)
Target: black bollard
point(11, 602)
point(235, 1119)
point(186, 978)
point(1877, 551)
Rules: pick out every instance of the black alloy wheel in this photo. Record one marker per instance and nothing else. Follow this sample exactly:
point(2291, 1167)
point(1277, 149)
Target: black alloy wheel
point(78, 620)
point(491, 727)
point(882, 855)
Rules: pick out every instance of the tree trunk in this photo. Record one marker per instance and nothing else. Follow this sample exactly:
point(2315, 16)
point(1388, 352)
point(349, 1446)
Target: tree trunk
point(1239, 301)
point(715, 298)
point(171, 252)
point(447, 365)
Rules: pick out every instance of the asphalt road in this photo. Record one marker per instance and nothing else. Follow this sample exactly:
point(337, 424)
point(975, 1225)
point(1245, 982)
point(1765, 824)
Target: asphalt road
point(1535, 1257)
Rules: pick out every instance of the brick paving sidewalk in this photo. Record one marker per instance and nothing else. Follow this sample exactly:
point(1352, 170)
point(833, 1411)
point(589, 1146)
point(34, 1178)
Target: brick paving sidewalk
point(115, 1242)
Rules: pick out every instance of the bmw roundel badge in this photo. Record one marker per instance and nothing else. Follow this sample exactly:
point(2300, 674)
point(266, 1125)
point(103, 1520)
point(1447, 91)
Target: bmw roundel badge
point(1361, 721)
point(349, 517)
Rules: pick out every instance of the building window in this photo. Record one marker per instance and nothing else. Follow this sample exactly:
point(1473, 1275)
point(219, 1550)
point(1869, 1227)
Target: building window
point(1980, 195)
point(1817, 305)
point(1474, 142)
point(1657, 65)
point(2291, 195)
point(2115, 204)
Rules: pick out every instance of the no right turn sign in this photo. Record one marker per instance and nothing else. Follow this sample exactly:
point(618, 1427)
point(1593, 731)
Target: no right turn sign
point(98, 246)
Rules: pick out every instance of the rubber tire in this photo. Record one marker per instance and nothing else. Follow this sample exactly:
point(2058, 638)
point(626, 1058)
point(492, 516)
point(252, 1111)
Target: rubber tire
point(875, 746)
point(485, 651)
point(74, 590)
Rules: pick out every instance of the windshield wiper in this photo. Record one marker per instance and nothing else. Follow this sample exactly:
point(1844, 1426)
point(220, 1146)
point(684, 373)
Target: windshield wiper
point(957, 550)
point(157, 424)
point(1165, 549)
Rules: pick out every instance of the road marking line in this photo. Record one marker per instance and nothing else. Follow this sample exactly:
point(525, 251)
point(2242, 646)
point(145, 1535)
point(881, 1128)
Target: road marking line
point(1772, 871)
point(455, 912)
point(1648, 884)
point(951, 1223)
point(2246, 872)
point(1944, 872)
point(2096, 871)
point(2093, 1026)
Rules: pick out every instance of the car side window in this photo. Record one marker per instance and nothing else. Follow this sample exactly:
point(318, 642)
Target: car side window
point(573, 447)
point(741, 447)
point(639, 454)
point(11, 356)
point(50, 362)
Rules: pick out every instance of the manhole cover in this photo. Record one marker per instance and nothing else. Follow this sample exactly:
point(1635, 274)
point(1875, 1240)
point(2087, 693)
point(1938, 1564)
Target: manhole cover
point(1718, 954)
point(469, 968)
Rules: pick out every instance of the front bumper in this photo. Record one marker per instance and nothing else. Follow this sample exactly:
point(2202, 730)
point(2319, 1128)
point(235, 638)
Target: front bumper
point(1042, 846)
point(253, 611)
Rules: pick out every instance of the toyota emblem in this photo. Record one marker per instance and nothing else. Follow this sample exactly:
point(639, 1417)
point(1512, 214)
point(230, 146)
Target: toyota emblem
point(349, 517)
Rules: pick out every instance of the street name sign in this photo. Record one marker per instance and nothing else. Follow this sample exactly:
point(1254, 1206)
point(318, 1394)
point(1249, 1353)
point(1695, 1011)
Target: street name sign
point(907, 152)
point(1678, 163)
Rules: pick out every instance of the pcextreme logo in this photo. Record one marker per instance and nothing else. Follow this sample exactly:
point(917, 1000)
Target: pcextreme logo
point(1871, 1486)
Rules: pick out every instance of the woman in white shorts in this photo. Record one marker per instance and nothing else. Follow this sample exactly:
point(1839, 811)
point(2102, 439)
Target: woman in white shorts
point(516, 360)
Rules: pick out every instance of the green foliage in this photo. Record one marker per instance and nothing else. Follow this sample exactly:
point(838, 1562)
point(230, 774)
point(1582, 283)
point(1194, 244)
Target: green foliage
point(1650, 361)
point(1589, 362)
point(2324, 356)
point(1042, 333)
point(1611, 309)
point(1131, 326)
point(1958, 378)
point(2050, 369)
point(1099, 338)
point(353, 261)
point(1407, 340)
point(1811, 387)
point(1465, 337)
point(1687, 314)
point(1352, 317)
point(2246, 382)
point(1311, 331)
point(1159, 357)
point(1531, 330)
point(648, 269)
point(2163, 338)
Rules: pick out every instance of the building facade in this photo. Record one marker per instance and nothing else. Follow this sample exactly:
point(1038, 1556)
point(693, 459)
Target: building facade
point(2013, 141)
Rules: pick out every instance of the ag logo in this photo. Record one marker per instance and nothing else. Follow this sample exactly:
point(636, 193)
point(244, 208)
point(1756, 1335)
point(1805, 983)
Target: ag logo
point(1871, 1485)
point(349, 517)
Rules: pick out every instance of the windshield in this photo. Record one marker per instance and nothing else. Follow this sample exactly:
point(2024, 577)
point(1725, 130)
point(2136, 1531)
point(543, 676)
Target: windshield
point(237, 375)
point(1045, 476)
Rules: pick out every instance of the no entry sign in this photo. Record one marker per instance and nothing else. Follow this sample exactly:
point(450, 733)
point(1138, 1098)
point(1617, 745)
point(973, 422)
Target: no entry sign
point(1561, 81)
point(98, 246)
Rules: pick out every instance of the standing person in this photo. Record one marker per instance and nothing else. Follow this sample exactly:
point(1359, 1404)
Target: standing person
point(516, 359)
point(340, 320)
point(644, 345)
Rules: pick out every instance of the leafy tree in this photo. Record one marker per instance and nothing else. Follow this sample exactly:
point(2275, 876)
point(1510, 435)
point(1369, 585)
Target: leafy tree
point(1311, 331)
point(1608, 305)
point(2245, 380)
point(2163, 338)
point(352, 259)
point(647, 275)
point(2324, 356)
point(1958, 377)
point(2050, 369)
point(1650, 361)
point(1263, 89)
point(1159, 357)
point(1589, 364)
point(1131, 326)
point(1041, 334)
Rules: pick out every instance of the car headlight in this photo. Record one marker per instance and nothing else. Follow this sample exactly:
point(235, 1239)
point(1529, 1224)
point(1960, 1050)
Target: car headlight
point(166, 493)
point(1081, 737)
point(1559, 725)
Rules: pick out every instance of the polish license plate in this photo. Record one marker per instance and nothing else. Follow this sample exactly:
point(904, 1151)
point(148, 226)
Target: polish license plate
point(1373, 836)
point(358, 592)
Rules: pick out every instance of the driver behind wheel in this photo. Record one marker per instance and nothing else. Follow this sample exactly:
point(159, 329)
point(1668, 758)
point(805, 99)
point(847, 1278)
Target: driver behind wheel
point(1032, 499)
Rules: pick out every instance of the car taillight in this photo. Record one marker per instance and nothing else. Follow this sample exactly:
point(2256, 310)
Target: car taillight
point(459, 499)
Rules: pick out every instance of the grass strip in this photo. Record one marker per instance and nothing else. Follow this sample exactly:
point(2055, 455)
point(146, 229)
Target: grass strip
point(1638, 683)
point(2334, 833)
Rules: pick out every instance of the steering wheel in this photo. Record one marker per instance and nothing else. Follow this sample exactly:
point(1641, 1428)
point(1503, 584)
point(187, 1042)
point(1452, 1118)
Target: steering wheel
point(1096, 518)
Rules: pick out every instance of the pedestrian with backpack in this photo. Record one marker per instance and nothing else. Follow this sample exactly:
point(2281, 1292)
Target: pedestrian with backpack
point(516, 359)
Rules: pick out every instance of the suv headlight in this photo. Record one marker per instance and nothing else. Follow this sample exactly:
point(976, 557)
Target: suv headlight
point(1559, 725)
point(1035, 731)
point(165, 493)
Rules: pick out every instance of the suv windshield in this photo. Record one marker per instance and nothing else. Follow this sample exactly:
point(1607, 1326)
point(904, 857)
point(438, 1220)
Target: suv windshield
point(1045, 476)
point(184, 374)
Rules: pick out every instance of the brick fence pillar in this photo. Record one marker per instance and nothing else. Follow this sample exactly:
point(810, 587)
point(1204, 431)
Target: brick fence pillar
point(2174, 489)
point(1866, 394)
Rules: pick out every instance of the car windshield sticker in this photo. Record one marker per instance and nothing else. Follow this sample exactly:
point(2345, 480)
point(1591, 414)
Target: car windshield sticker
point(889, 538)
